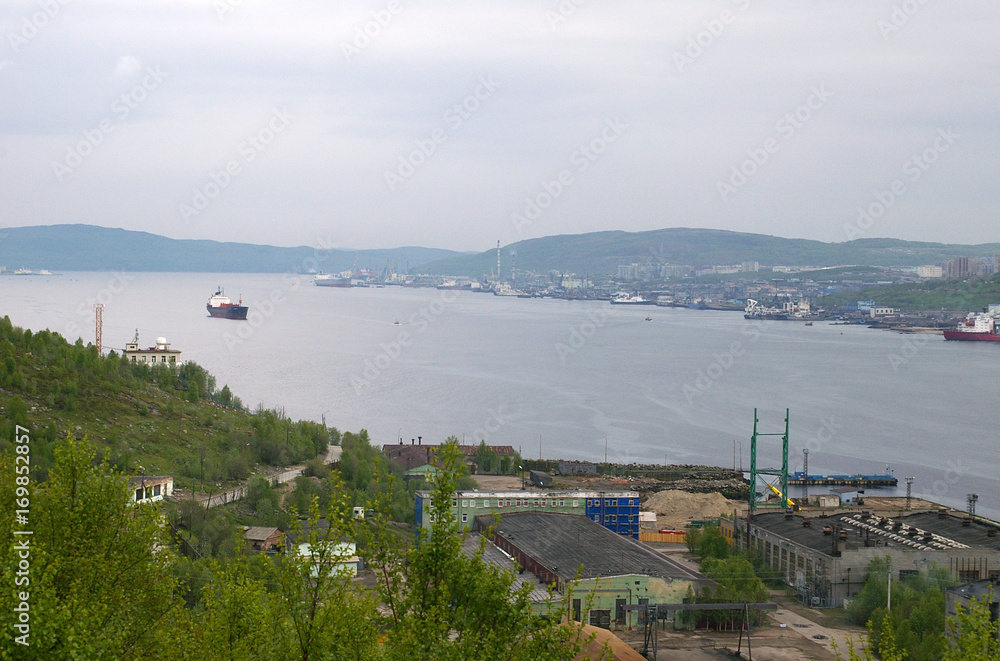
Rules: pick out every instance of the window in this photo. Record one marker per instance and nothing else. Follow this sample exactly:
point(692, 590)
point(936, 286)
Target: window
point(543, 502)
point(589, 502)
point(508, 502)
point(607, 502)
point(465, 503)
point(133, 359)
point(163, 359)
point(614, 503)
point(173, 359)
point(597, 517)
point(138, 495)
point(486, 503)
point(536, 502)
point(454, 502)
point(517, 503)
point(465, 518)
point(562, 503)
point(156, 489)
point(574, 502)
point(612, 518)
point(631, 518)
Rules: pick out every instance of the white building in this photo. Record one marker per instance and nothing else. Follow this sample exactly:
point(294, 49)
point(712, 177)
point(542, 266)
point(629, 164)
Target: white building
point(151, 488)
point(930, 272)
point(161, 353)
point(880, 311)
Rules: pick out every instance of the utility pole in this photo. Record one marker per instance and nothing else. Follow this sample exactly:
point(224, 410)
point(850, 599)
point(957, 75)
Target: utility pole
point(888, 575)
point(99, 325)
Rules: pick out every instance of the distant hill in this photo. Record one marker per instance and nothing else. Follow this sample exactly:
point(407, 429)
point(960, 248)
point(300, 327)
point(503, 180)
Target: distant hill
point(602, 252)
point(91, 248)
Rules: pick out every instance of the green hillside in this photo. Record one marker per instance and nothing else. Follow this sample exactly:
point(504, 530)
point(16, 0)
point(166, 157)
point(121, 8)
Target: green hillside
point(90, 248)
point(602, 252)
point(955, 294)
point(149, 420)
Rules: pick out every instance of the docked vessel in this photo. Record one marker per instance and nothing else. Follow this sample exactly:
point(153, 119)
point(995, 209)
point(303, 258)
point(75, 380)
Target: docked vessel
point(624, 298)
point(754, 310)
point(975, 327)
point(219, 305)
point(332, 280)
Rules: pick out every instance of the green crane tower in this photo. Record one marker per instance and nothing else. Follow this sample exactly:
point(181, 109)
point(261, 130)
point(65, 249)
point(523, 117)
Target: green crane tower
point(756, 473)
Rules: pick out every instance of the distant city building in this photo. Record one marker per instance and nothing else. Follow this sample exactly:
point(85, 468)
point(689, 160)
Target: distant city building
point(957, 268)
point(880, 311)
point(750, 267)
point(930, 271)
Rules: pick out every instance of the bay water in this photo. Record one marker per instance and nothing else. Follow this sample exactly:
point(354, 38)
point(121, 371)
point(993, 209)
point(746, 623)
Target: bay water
point(564, 379)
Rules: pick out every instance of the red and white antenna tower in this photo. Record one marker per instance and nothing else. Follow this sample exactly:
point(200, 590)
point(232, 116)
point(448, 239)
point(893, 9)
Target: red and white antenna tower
point(99, 323)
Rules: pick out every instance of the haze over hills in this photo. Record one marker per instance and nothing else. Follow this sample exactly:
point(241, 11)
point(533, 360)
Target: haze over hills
point(602, 252)
point(92, 248)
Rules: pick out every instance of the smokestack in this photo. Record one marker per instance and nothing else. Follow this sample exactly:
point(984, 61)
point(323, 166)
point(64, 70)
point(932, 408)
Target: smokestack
point(420, 440)
point(411, 441)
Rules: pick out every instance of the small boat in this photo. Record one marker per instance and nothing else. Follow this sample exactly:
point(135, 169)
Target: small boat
point(649, 318)
point(809, 323)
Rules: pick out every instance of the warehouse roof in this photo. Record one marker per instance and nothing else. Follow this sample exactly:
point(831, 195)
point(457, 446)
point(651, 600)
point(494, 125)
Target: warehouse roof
point(923, 531)
point(494, 556)
point(563, 543)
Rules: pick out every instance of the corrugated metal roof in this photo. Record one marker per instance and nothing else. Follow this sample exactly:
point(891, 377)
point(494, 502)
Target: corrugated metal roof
point(563, 543)
point(494, 556)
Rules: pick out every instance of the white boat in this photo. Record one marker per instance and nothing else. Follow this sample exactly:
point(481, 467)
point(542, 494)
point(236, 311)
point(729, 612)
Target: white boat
point(625, 298)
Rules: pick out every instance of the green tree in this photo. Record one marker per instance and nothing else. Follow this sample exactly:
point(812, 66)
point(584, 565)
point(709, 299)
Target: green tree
point(447, 605)
point(329, 618)
point(973, 634)
point(100, 566)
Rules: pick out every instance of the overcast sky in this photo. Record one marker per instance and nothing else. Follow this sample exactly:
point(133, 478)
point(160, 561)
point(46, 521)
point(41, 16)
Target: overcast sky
point(433, 122)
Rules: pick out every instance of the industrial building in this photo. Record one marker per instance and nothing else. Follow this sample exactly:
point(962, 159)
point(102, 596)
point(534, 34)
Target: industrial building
point(417, 454)
point(604, 571)
point(618, 511)
point(826, 557)
point(962, 595)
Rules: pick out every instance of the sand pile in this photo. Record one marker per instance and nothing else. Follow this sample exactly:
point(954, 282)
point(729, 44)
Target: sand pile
point(675, 508)
point(620, 650)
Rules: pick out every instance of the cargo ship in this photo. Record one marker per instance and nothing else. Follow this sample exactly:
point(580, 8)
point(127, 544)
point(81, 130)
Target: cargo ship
point(975, 327)
point(220, 306)
point(328, 280)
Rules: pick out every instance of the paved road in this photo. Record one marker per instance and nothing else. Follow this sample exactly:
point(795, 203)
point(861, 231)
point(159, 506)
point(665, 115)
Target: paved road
point(809, 629)
point(287, 475)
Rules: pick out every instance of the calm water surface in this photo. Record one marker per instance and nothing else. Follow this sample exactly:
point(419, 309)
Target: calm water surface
point(573, 377)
